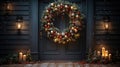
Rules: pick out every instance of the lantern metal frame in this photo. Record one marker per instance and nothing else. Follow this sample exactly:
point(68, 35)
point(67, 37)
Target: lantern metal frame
point(8, 7)
point(106, 21)
point(19, 23)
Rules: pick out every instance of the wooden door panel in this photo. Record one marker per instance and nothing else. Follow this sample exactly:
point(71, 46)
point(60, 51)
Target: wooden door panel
point(52, 51)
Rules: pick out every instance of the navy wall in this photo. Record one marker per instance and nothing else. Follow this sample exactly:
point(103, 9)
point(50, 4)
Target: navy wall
point(108, 39)
point(10, 40)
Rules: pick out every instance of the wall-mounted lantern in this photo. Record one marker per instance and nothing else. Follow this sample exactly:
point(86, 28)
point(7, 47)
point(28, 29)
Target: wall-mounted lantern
point(106, 21)
point(8, 7)
point(19, 22)
point(106, 25)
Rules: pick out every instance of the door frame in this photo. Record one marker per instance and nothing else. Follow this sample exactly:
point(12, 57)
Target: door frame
point(35, 28)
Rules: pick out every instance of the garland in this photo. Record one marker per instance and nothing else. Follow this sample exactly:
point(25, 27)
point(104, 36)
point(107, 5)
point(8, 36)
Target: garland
point(70, 34)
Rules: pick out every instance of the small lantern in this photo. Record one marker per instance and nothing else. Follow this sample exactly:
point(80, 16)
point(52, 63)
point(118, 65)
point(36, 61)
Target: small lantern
point(106, 23)
point(19, 22)
point(8, 7)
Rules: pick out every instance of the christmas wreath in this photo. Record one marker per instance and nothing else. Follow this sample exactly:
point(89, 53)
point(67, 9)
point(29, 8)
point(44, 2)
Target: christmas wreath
point(69, 34)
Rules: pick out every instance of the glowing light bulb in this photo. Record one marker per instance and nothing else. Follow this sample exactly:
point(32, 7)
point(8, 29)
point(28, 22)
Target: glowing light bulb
point(106, 26)
point(77, 16)
point(72, 14)
point(72, 7)
point(45, 17)
point(65, 36)
point(51, 31)
point(58, 5)
point(52, 4)
point(19, 25)
point(66, 6)
point(58, 33)
point(56, 8)
point(63, 33)
point(75, 30)
point(47, 10)
point(55, 40)
point(48, 23)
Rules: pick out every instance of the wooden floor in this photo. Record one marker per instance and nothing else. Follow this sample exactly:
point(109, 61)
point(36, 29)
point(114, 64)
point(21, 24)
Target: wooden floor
point(66, 64)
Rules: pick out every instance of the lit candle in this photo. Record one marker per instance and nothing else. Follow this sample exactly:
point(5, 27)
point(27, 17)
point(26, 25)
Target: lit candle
point(20, 56)
point(24, 57)
point(98, 53)
point(103, 51)
point(109, 57)
point(106, 53)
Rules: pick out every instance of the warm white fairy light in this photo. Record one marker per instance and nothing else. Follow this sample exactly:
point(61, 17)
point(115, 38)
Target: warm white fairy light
point(72, 7)
point(72, 14)
point(77, 16)
point(45, 17)
point(47, 10)
point(66, 6)
point(52, 4)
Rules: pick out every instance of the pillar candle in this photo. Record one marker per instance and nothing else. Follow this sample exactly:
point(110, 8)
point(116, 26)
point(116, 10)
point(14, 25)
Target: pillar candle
point(98, 53)
point(106, 54)
point(109, 56)
point(20, 56)
point(103, 51)
point(24, 57)
point(95, 53)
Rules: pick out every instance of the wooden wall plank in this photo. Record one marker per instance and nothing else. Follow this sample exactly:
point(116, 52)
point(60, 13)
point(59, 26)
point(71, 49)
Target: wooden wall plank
point(107, 8)
point(10, 40)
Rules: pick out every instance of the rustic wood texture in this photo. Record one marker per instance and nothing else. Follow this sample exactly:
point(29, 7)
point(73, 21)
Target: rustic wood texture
point(111, 38)
point(10, 40)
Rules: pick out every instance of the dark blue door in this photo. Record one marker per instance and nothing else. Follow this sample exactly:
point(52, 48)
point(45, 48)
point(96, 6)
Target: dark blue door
point(48, 50)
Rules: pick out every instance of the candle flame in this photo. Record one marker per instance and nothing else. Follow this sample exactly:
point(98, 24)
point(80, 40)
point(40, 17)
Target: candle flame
point(20, 53)
point(106, 53)
point(103, 51)
point(24, 55)
point(109, 54)
point(103, 47)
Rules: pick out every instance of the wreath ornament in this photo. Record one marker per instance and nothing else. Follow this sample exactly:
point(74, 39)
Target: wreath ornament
point(70, 34)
